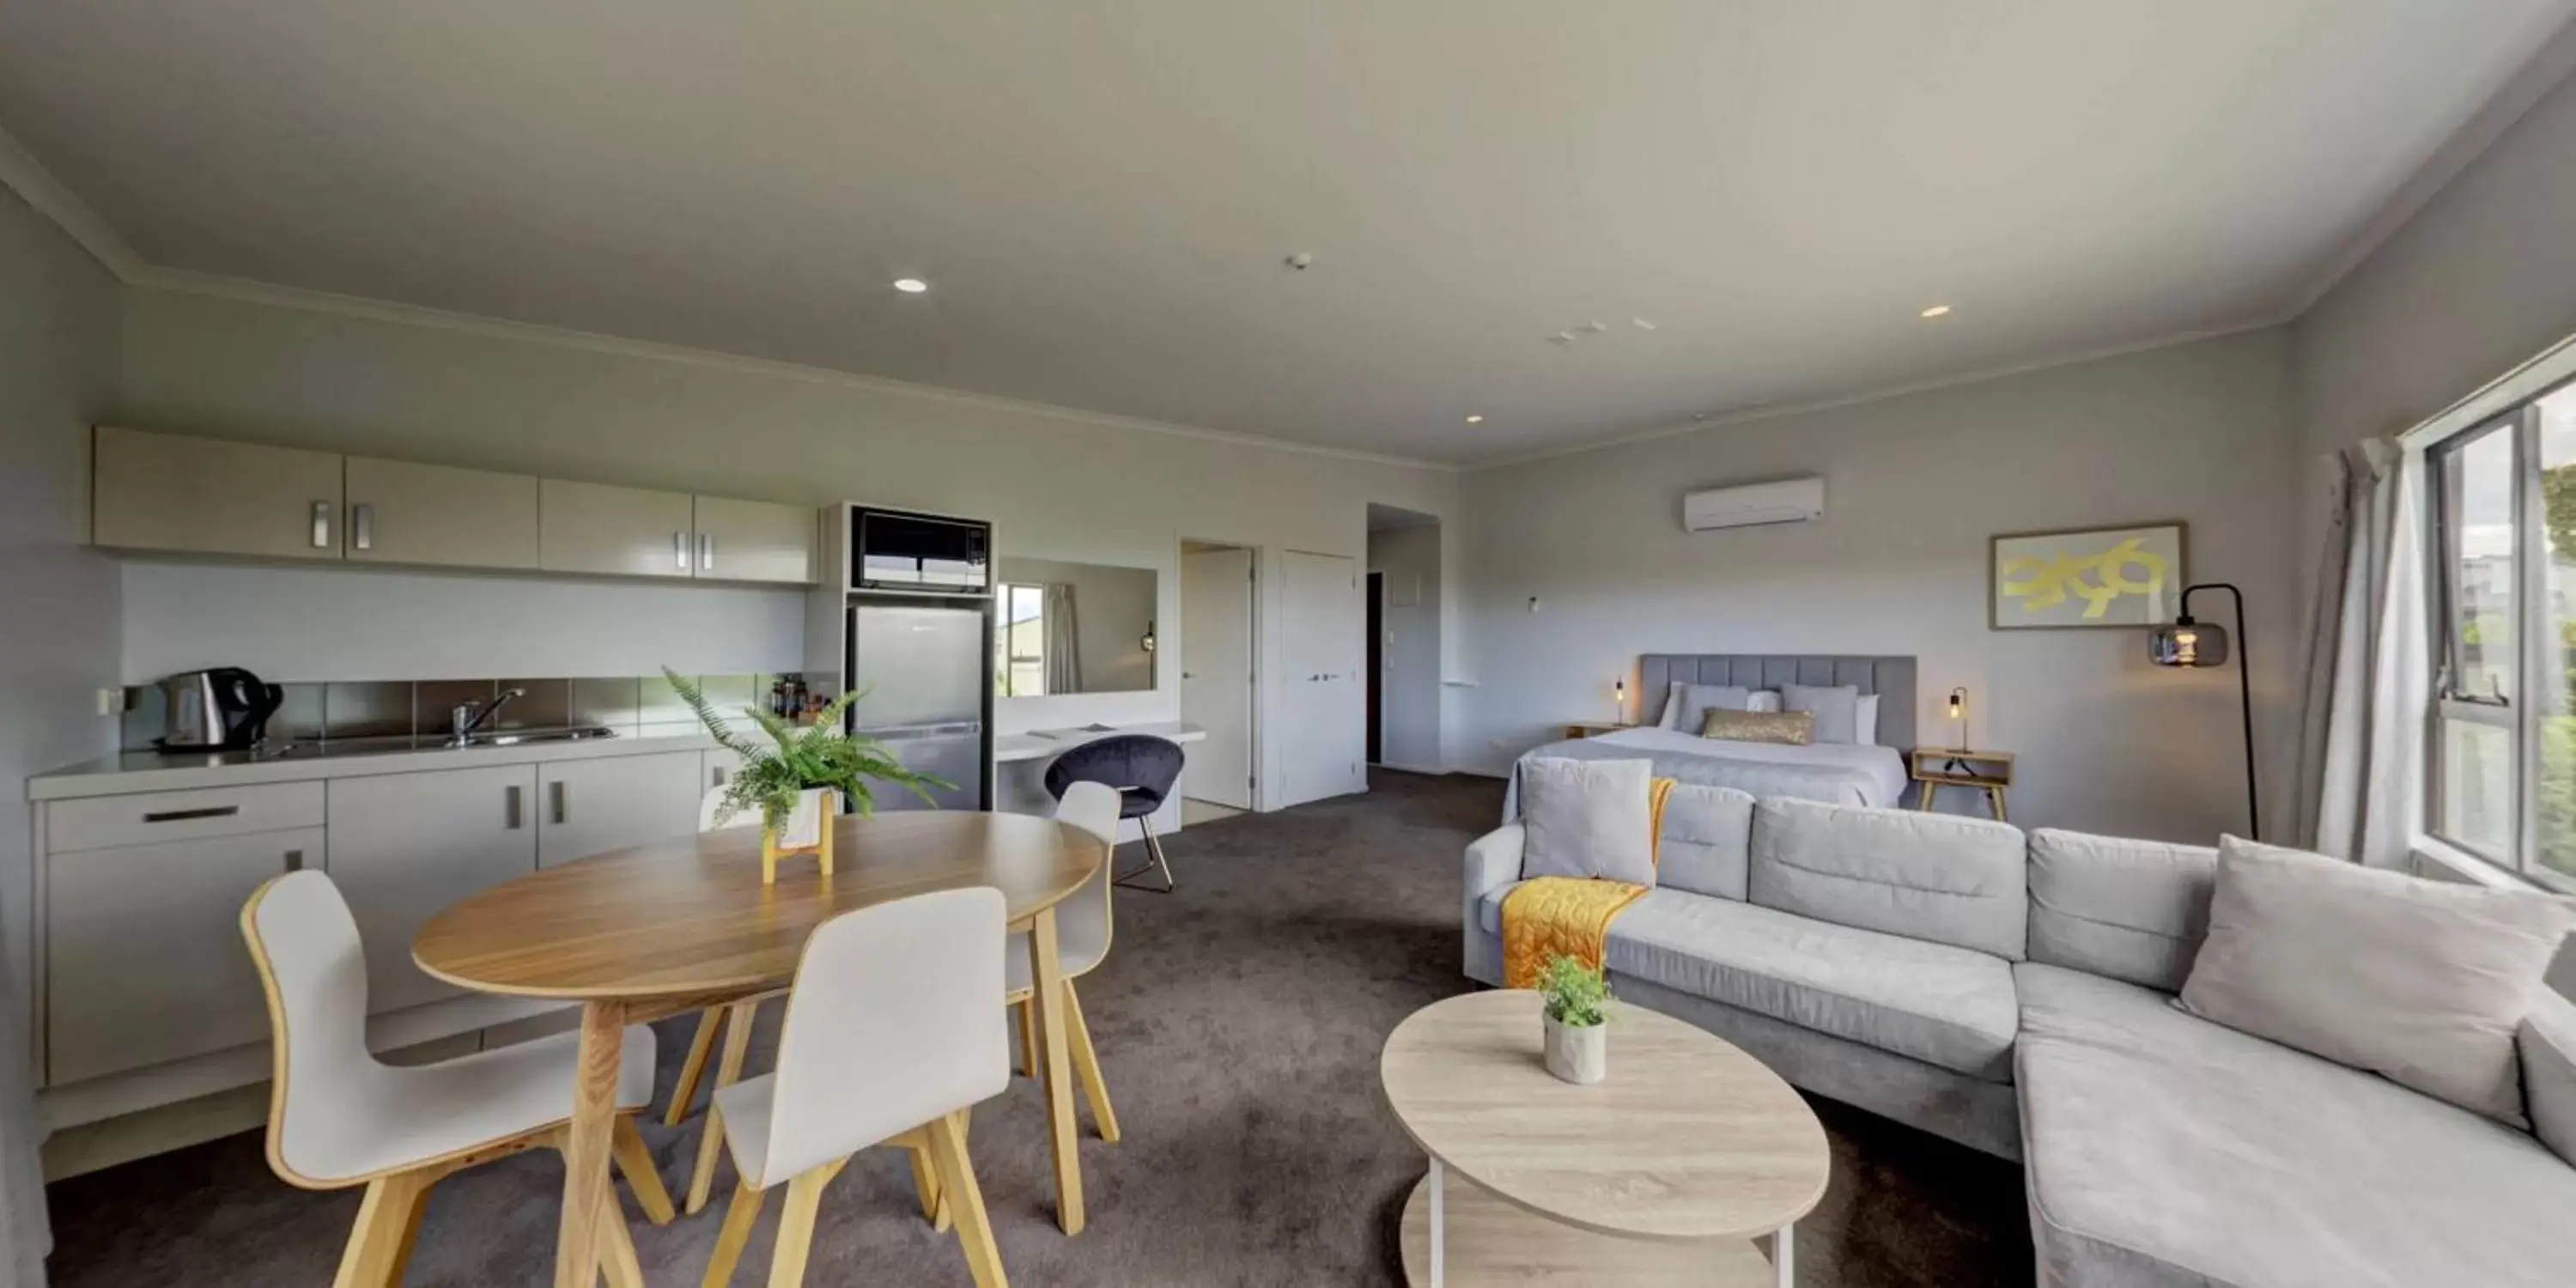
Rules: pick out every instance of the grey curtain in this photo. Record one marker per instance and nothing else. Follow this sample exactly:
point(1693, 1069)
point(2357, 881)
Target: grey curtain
point(2360, 772)
point(1063, 641)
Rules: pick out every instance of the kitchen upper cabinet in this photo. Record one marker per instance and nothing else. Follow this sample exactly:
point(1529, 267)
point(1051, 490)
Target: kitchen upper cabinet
point(205, 496)
point(757, 540)
point(593, 527)
point(144, 960)
point(589, 807)
point(406, 513)
point(405, 846)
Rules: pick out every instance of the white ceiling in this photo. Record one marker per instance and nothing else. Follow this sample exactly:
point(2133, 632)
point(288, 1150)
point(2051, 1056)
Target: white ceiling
point(1103, 195)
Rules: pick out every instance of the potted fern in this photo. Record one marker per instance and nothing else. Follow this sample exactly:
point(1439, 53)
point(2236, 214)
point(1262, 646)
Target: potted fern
point(809, 775)
point(1575, 998)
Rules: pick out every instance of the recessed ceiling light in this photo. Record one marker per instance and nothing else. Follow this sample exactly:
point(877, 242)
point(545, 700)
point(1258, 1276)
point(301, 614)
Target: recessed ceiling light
point(1477, 419)
point(911, 285)
point(1937, 311)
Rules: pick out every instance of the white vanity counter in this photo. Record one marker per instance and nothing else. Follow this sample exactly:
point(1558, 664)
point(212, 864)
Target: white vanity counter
point(1047, 744)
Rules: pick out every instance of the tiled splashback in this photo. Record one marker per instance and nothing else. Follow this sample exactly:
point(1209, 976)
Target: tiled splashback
point(631, 705)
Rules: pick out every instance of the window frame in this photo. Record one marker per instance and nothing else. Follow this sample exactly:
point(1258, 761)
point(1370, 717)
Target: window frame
point(1005, 658)
point(2522, 710)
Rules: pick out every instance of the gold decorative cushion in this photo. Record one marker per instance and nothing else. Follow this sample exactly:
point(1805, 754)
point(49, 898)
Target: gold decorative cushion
point(1790, 728)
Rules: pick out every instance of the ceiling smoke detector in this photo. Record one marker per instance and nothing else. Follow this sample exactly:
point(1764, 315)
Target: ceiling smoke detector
point(1301, 261)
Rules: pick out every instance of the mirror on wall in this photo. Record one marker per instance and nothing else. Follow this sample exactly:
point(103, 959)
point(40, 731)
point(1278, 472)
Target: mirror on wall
point(1073, 628)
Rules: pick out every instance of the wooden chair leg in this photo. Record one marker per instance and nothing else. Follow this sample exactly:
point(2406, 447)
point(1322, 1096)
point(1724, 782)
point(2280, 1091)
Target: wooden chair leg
point(1086, 1067)
point(796, 1227)
point(380, 1241)
point(957, 1181)
point(636, 1163)
point(1028, 1037)
point(737, 1045)
point(701, 1045)
point(925, 1182)
point(617, 1260)
point(731, 1237)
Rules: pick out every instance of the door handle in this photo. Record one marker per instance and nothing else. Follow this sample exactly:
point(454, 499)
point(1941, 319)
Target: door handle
point(706, 552)
point(321, 525)
point(680, 550)
point(510, 807)
point(362, 525)
point(555, 795)
point(183, 815)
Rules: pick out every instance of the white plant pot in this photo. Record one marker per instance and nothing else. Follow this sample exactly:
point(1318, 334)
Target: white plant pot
point(1577, 1055)
point(803, 829)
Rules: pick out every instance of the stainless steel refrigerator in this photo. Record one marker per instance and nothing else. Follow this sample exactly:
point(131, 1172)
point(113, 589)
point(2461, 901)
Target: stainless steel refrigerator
point(927, 664)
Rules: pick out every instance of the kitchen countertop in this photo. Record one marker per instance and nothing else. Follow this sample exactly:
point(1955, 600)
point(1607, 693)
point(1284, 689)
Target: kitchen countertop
point(153, 771)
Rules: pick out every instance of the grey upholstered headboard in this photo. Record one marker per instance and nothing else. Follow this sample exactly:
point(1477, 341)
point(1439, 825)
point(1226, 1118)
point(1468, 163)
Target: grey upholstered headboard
point(1892, 678)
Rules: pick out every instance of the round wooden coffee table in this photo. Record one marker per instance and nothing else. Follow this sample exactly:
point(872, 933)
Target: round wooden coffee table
point(1665, 1173)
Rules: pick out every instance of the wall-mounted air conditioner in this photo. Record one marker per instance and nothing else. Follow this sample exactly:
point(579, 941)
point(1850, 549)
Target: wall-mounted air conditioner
point(1754, 504)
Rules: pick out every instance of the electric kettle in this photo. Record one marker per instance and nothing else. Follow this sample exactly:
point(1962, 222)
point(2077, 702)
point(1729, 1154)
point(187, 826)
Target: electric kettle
point(222, 709)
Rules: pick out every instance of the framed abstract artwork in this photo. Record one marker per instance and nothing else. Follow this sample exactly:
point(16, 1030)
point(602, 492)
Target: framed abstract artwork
point(2121, 577)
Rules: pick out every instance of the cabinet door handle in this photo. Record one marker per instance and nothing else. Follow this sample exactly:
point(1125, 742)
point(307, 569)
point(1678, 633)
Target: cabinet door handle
point(716, 777)
point(183, 815)
point(706, 552)
point(555, 800)
point(510, 807)
point(362, 525)
point(321, 525)
point(680, 550)
point(295, 860)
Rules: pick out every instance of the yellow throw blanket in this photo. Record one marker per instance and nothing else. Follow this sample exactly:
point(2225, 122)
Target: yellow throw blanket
point(1546, 916)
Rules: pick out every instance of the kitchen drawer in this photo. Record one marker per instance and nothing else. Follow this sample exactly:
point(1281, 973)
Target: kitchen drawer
point(101, 822)
point(144, 959)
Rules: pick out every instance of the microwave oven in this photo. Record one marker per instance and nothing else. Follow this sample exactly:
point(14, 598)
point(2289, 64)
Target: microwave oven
point(923, 553)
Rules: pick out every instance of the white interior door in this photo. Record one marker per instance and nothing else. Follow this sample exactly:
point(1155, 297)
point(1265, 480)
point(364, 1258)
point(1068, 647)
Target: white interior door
point(1216, 674)
point(1325, 701)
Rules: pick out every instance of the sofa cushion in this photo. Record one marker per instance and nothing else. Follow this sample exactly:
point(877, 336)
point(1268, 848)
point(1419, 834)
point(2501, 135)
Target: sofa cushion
point(1950, 880)
point(2547, 1043)
point(2163, 1149)
point(1588, 818)
point(2424, 981)
point(1708, 834)
point(1952, 1007)
point(2132, 910)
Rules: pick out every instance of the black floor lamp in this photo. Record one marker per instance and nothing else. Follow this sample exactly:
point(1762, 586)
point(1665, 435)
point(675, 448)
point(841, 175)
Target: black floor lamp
point(2190, 643)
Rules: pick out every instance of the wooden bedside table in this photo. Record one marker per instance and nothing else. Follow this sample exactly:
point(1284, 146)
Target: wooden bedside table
point(1938, 767)
point(1594, 728)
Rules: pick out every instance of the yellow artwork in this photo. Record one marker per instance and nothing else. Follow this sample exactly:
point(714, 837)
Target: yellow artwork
point(2102, 577)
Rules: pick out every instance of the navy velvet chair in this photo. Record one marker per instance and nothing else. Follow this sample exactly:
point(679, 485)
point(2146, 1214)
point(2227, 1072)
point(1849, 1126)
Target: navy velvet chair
point(1144, 769)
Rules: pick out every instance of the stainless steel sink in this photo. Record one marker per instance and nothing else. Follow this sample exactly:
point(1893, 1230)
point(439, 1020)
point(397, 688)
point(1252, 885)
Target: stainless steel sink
point(515, 737)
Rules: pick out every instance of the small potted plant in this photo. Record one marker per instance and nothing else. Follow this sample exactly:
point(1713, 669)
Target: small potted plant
point(809, 775)
point(1574, 996)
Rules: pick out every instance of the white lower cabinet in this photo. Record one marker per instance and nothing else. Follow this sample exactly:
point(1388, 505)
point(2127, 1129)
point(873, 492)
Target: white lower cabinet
point(588, 807)
point(405, 846)
point(720, 766)
point(144, 955)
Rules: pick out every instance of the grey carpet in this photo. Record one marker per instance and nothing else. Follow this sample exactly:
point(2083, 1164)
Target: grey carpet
point(1238, 1022)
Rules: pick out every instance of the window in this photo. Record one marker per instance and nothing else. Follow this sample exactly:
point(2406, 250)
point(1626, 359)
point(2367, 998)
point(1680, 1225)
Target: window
point(2504, 742)
point(1019, 667)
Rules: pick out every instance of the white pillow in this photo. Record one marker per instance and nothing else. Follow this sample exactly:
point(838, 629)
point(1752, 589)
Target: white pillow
point(1865, 720)
point(2424, 982)
point(1672, 718)
point(1588, 818)
point(1764, 700)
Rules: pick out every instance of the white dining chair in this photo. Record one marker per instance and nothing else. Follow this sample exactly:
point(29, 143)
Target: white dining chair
point(894, 1031)
point(338, 1117)
point(734, 1019)
point(1083, 924)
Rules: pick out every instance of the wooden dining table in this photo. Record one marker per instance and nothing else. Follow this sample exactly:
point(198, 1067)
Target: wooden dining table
point(675, 926)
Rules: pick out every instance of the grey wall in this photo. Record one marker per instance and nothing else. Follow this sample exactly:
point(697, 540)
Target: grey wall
point(2481, 278)
point(58, 601)
point(1916, 484)
point(1409, 662)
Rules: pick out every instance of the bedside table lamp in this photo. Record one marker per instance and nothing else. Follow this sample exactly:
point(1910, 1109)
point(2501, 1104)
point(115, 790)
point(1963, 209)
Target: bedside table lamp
point(2187, 642)
point(1619, 700)
point(1959, 717)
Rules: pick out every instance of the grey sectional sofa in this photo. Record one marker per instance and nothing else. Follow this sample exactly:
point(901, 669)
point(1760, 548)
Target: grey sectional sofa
point(2012, 993)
